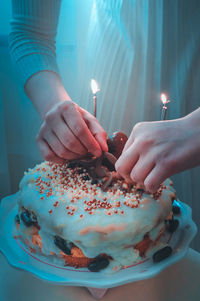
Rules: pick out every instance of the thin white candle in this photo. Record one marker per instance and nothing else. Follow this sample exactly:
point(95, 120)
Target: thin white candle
point(165, 101)
point(95, 89)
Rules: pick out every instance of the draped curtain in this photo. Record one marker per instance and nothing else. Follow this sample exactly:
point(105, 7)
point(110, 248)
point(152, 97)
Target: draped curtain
point(135, 49)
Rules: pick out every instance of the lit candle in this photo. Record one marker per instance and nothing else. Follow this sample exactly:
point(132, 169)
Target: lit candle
point(95, 89)
point(165, 101)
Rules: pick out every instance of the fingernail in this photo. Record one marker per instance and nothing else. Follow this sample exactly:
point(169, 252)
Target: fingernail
point(106, 148)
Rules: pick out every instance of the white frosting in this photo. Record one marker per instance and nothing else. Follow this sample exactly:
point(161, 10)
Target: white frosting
point(103, 231)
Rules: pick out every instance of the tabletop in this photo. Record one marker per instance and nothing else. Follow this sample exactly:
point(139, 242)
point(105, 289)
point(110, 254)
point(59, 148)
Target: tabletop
point(179, 282)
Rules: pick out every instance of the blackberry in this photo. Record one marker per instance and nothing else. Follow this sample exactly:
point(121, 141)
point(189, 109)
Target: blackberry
point(62, 245)
point(85, 178)
point(176, 209)
point(94, 181)
point(17, 219)
point(29, 218)
point(99, 263)
point(172, 225)
point(72, 165)
point(140, 190)
point(80, 171)
point(162, 254)
point(26, 218)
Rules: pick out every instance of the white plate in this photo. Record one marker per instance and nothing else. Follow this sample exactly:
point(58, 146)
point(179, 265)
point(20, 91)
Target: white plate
point(18, 257)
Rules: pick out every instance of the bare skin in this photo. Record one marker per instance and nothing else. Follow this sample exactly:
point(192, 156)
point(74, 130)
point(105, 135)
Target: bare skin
point(158, 150)
point(68, 131)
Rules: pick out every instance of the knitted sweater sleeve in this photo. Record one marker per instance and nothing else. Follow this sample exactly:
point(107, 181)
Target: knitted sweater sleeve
point(32, 37)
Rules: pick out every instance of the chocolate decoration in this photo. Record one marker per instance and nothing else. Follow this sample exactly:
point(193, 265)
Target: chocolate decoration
point(104, 166)
point(107, 164)
point(107, 182)
point(111, 158)
point(116, 143)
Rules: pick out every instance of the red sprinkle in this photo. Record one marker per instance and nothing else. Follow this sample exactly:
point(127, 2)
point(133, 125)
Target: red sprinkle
point(56, 204)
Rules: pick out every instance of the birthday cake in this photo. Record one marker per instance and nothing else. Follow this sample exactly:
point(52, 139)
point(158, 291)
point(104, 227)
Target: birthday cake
point(81, 215)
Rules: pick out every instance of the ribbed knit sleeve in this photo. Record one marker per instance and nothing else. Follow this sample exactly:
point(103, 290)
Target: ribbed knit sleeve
point(32, 37)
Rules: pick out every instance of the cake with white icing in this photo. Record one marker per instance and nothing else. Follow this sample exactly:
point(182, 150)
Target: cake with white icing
point(80, 214)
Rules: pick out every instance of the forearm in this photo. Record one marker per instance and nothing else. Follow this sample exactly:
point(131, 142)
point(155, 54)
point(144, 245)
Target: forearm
point(32, 40)
point(45, 89)
point(194, 119)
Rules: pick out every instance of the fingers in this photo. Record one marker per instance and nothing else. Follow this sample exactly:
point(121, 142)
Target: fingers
point(47, 152)
point(141, 169)
point(56, 145)
point(126, 163)
point(154, 178)
point(67, 138)
point(96, 129)
point(80, 129)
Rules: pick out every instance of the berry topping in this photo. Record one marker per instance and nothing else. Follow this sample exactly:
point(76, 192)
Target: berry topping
point(80, 171)
point(94, 181)
point(72, 165)
point(162, 254)
point(85, 178)
point(172, 225)
point(99, 263)
point(116, 143)
point(26, 218)
point(140, 190)
point(17, 219)
point(176, 209)
point(62, 245)
point(29, 218)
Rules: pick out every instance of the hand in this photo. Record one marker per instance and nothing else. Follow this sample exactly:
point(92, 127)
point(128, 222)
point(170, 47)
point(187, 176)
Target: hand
point(157, 150)
point(70, 132)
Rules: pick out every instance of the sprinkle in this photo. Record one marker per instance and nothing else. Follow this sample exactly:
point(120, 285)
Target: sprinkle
point(50, 211)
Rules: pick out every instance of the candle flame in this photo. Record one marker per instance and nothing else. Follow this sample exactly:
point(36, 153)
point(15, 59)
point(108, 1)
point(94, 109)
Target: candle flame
point(94, 86)
point(164, 99)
